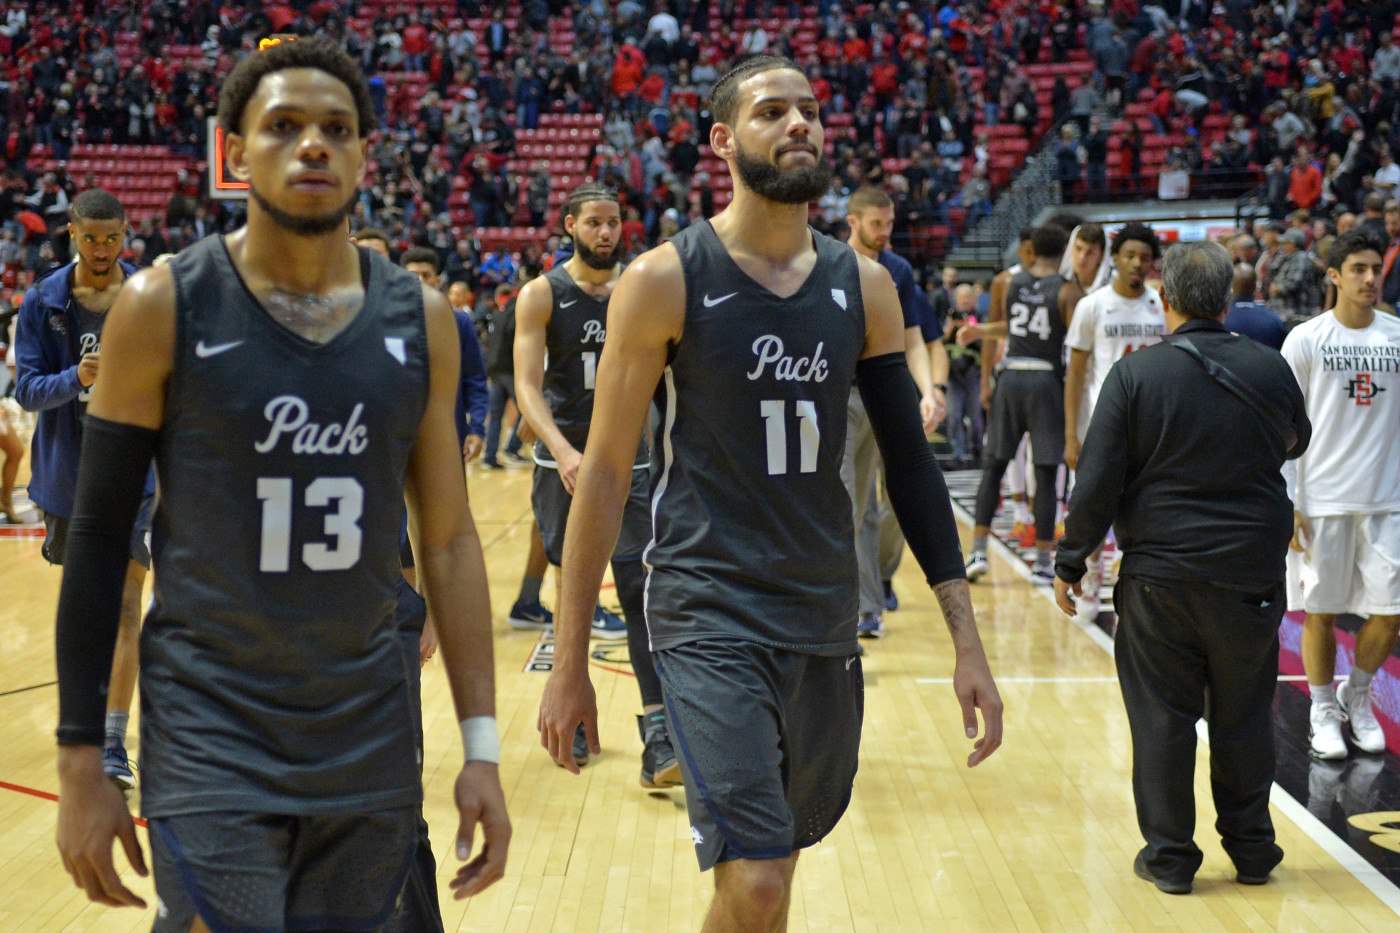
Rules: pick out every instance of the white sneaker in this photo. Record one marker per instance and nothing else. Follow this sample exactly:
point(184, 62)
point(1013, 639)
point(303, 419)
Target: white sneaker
point(1366, 732)
point(1325, 730)
point(1086, 606)
point(977, 566)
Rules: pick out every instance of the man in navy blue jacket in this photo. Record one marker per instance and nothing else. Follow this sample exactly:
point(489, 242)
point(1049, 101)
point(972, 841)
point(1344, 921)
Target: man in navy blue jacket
point(57, 351)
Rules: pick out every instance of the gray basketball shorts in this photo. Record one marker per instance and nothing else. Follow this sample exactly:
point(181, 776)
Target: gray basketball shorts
point(1028, 402)
point(768, 742)
point(552, 501)
point(266, 872)
point(56, 535)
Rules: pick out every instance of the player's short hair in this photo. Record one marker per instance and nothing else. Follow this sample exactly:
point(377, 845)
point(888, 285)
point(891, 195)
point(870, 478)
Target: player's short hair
point(95, 204)
point(1027, 233)
point(590, 191)
point(1139, 232)
point(1093, 235)
point(421, 254)
point(1357, 240)
point(867, 198)
point(370, 233)
point(724, 99)
point(1197, 278)
point(1067, 219)
point(1049, 241)
point(312, 52)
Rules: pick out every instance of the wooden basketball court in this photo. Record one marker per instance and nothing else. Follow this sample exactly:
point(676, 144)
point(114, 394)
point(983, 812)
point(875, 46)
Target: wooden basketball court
point(1040, 838)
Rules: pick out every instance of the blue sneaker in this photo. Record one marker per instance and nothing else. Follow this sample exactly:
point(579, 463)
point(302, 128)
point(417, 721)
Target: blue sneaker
point(608, 626)
point(891, 600)
point(530, 615)
point(871, 625)
point(116, 766)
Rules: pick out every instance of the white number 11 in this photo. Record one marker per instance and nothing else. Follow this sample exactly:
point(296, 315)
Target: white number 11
point(774, 414)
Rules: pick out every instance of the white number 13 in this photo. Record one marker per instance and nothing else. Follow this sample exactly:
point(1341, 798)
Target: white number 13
point(342, 524)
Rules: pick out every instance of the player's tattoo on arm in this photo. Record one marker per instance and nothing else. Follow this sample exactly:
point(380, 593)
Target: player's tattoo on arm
point(955, 600)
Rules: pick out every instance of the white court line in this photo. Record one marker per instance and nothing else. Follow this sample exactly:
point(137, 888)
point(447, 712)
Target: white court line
point(1360, 869)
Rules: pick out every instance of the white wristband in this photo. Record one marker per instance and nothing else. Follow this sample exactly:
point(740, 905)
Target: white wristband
point(480, 741)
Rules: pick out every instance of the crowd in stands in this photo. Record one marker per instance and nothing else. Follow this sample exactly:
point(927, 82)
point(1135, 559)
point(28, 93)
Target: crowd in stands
point(921, 98)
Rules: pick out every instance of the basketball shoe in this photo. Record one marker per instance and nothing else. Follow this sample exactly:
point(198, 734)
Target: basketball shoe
point(659, 765)
point(530, 615)
point(1325, 732)
point(1023, 534)
point(608, 626)
point(871, 625)
point(1366, 732)
point(977, 566)
point(580, 749)
point(117, 767)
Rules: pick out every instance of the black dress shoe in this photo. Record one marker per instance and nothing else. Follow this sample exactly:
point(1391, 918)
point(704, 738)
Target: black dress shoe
point(1164, 885)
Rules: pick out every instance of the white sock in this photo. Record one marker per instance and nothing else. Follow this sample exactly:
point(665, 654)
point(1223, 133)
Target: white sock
point(1359, 681)
point(116, 725)
point(1324, 695)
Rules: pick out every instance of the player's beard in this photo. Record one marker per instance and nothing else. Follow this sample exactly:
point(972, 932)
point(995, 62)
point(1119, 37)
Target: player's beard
point(872, 244)
point(315, 225)
point(595, 260)
point(785, 186)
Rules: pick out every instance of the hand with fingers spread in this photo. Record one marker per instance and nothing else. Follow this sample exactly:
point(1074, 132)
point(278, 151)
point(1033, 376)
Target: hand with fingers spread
point(567, 701)
point(91, 816)
point(481, 802)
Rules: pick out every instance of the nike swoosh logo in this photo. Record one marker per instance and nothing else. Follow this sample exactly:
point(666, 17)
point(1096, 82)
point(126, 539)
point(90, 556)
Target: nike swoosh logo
point(567, 304)
point(204, 351)
point(711, 302)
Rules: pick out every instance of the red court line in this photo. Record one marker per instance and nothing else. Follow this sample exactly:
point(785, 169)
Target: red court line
point(615, 670)
point(45, 795)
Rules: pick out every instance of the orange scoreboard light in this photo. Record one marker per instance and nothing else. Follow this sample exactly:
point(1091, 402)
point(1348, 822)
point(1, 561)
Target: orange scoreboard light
point(222, 185)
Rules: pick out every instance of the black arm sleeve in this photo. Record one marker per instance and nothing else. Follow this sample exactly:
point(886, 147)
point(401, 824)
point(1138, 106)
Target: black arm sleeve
point(111, 477)
point(912, 475)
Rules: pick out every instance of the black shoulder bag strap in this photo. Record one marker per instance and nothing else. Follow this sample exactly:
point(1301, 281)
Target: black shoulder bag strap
point(1267, 410)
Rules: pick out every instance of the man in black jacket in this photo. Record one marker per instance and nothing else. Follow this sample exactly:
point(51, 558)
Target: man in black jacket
point(1188, 473)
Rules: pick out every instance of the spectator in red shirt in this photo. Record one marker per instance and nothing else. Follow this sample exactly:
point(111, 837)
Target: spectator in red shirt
point(627, 73)
point(1305, 181)
point(855, 48)
point(884, 81)
point(415, 45)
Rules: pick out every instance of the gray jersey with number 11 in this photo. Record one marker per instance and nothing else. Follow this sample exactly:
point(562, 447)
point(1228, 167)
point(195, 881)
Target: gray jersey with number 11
point(752, 535)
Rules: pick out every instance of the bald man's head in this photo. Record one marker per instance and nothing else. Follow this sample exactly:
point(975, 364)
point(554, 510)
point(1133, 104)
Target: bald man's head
point(1243, 285)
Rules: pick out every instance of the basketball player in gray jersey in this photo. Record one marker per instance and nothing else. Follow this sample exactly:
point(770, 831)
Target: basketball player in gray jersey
point(560, 327)
point(293, 388)
point(1029, 397)
point(750, 330)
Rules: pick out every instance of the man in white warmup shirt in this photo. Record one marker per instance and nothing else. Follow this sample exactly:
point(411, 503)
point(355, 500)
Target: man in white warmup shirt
point(1346, 493)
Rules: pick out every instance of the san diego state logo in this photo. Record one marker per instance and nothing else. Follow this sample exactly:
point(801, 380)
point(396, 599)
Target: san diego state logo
point(1363, 389)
